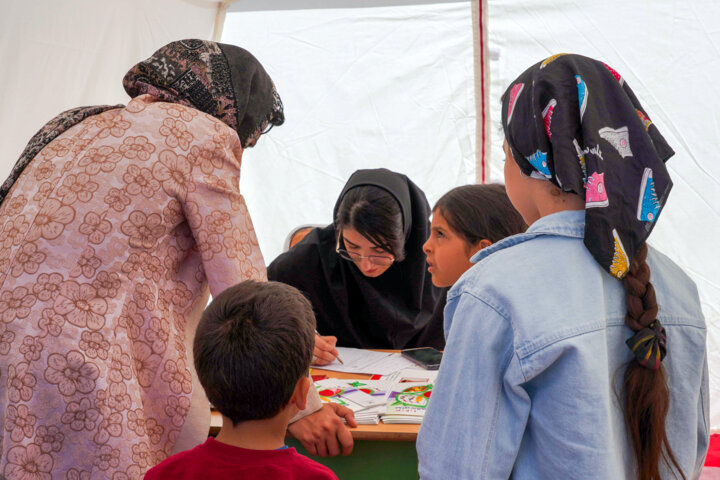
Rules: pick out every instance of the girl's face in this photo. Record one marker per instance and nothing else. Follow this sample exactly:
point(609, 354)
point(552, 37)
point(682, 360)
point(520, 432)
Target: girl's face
point(360, 248)
point(448, 254)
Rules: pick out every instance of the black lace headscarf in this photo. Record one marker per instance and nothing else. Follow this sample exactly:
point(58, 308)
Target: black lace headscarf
point(574, 121)
point(222, 80)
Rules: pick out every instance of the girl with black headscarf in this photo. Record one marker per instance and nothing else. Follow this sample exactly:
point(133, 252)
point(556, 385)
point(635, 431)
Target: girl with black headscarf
point(563, 360)
point(365, 274)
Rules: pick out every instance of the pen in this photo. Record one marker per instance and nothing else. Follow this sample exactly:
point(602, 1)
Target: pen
point(338, 357)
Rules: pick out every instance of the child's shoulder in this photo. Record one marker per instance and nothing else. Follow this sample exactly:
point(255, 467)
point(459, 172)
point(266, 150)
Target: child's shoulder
point(308, 469)
point(172, 466)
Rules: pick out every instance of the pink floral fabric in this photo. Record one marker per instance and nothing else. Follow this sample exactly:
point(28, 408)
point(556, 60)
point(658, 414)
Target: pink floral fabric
point(108, 238)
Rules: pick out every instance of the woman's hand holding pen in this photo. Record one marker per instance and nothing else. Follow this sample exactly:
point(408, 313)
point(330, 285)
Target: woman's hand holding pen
point(325, 351)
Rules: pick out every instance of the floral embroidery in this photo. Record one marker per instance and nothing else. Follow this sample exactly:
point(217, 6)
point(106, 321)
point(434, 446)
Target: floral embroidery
point(51, 220)
point(50, 439)
point(137, 147)
point(20, 383)
point(176, 134)
point(140, 181)
point(77, 187)
point(47, 286)
point(31, 348)
point(95, 227)
point(80, 305)
point(174, 172)
point(14, 230)
point(28, 463)
point(177, 376)
point(107, 457)
point(80, 415)
point(51, 323)
point(177, 409)
point(117, 199)
point(94, 345)
point(146, 363)
point(71, 373)
point(6, 338)
point(28, 260)
point(15, 304)
point(143, 230)
point(87, 264)
point(19, 422)
point(107, 284)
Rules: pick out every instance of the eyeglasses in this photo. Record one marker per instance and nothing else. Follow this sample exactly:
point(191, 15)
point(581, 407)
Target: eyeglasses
point(381, 260)
point(268, 127)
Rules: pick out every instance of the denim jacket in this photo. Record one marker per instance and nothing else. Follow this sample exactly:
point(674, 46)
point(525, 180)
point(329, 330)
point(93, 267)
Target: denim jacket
point(530, 381)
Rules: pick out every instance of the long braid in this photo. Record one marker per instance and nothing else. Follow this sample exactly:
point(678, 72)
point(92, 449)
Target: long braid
point(647, 398)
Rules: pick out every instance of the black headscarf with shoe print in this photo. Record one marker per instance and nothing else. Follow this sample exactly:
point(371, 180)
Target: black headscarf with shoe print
point(222, 80)
point(575, 121)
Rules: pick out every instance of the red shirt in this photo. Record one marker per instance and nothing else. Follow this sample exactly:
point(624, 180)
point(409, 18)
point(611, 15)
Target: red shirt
point(219, 461)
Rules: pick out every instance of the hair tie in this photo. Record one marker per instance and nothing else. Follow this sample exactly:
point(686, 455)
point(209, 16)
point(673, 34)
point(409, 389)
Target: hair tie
point(649, 345)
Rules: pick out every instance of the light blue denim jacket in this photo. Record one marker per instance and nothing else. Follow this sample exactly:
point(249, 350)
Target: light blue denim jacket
point(528, 385)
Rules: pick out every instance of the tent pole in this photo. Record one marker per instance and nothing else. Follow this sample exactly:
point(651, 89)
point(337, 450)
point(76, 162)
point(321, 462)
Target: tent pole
point(220, 19)
point(482, 87)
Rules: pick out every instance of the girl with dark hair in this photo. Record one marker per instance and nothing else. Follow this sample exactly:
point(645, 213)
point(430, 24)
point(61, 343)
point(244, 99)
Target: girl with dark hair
point(553, 367)
point(465, 220)
point(365, 273)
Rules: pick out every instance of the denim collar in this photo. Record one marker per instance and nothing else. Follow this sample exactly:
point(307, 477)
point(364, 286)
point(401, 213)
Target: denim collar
point(568, 223)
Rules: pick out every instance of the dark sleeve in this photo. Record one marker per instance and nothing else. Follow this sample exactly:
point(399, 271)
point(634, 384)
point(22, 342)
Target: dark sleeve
point(433, 334)
point(294, 266)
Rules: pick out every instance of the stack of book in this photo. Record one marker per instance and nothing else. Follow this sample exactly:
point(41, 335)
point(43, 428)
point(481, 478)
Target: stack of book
point(401, 397)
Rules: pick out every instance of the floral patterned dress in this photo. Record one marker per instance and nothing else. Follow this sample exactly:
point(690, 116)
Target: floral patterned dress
point(108, 238)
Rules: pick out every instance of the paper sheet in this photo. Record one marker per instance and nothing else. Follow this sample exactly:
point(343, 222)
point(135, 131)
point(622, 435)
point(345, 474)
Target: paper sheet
point(357, 360)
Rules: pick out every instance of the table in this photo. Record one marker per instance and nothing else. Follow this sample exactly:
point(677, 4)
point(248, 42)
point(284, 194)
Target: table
point(380, 452)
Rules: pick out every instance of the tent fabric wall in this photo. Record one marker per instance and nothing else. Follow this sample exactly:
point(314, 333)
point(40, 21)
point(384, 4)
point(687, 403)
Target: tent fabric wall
point(391, 84)
point(669, 56)
point(362, 88)
point(61, 55)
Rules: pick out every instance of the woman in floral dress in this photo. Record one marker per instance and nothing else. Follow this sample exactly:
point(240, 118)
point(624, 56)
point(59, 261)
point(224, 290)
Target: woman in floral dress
point(115, 223)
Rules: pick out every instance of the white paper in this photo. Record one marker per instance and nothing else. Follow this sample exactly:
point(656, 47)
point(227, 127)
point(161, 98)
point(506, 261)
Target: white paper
point(358, 360)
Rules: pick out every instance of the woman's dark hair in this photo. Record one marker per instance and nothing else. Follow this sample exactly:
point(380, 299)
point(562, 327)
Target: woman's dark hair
point(476, 212)
point(647, 398)
point(374, 214)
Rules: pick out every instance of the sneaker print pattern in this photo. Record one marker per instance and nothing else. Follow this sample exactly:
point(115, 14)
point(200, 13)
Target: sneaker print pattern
point(582, 95)
point(551, 59)
point(620, 262)
point(514, 94)
point(644, 119)
point(547, 116)
point(595, 194)
point(618, 138)
point(539, 161)
point(648, 205)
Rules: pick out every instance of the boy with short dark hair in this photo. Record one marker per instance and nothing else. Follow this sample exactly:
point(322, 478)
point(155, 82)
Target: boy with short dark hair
point(252, 349)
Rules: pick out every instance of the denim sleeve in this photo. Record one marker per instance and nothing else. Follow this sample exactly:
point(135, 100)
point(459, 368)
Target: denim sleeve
point(478, 411)
point(703, 422)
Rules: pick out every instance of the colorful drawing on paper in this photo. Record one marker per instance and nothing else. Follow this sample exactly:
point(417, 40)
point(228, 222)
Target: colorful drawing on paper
point(415, 396)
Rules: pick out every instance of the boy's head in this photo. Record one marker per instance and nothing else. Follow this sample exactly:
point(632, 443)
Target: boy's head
point(253, 344)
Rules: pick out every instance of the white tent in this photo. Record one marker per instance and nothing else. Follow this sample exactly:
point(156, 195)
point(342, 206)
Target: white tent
point(412, 85)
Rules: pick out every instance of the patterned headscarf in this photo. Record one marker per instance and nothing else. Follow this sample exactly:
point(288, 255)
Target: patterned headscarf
point(574, 121)
point(224, 81)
